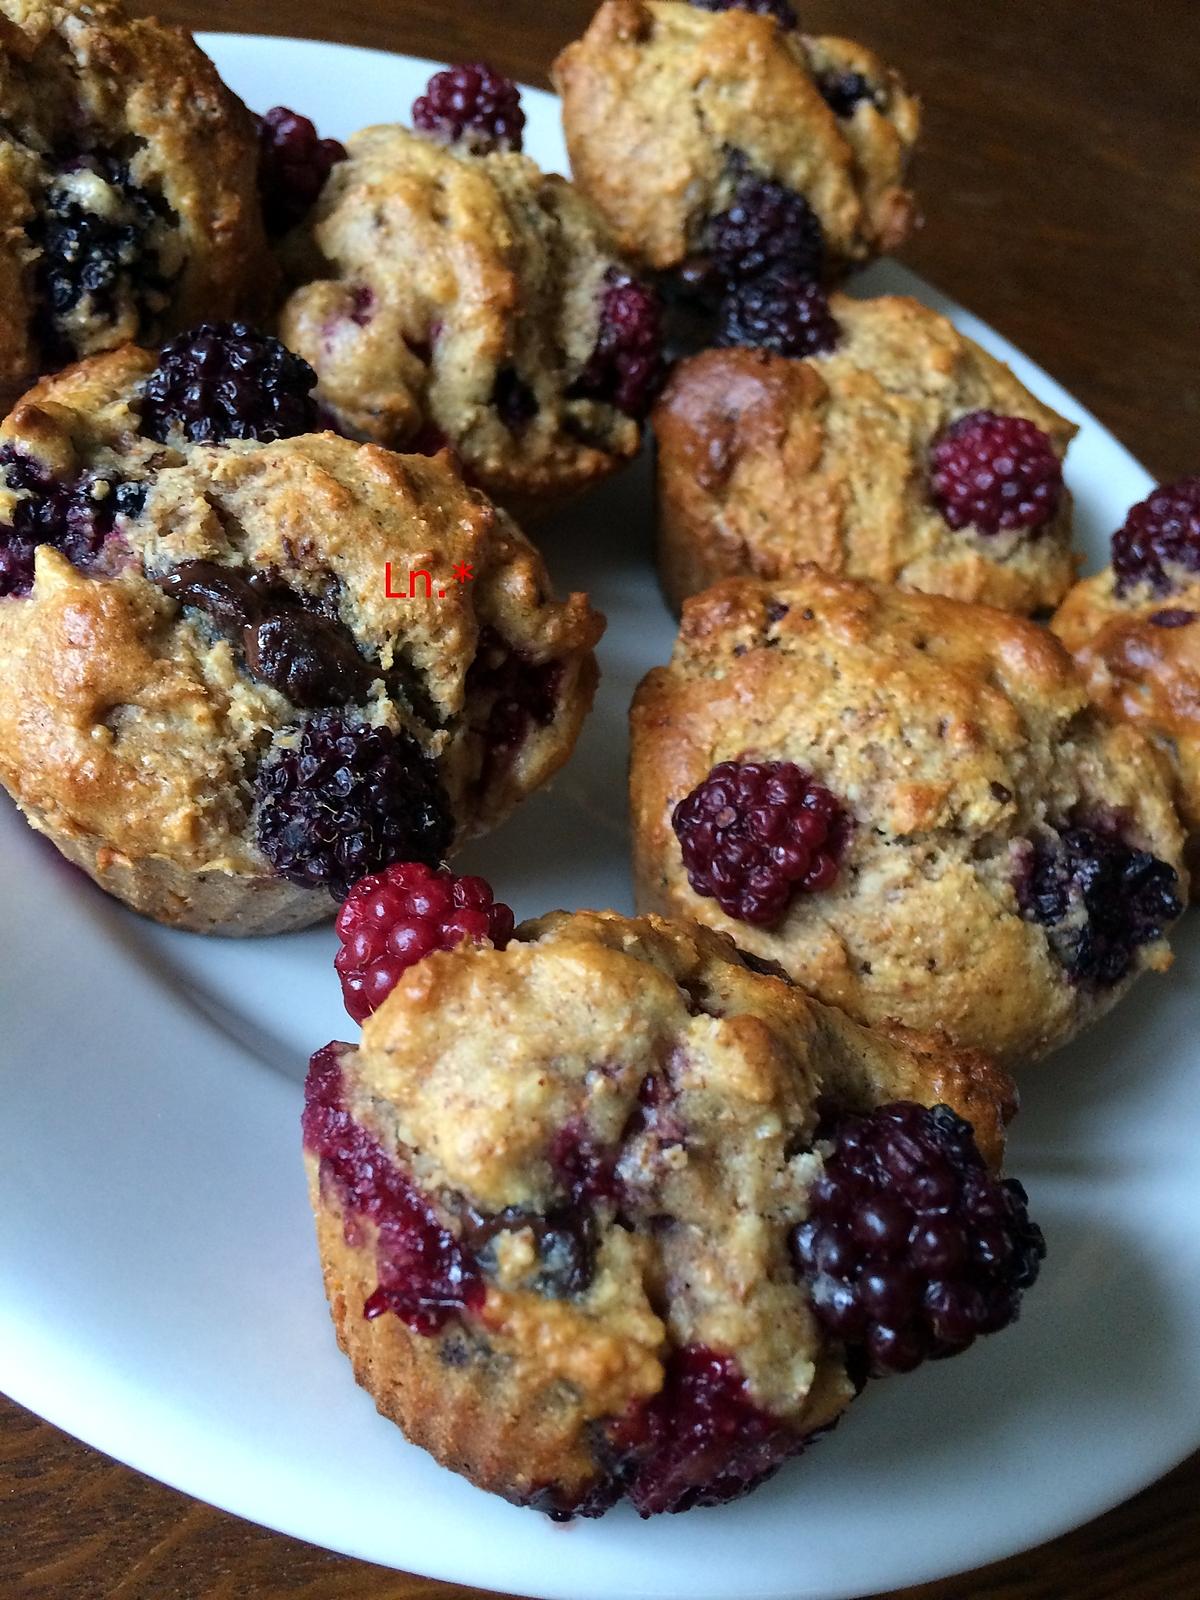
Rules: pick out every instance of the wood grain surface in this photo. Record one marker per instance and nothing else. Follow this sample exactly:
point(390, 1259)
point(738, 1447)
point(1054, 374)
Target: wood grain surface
point(1060, 178)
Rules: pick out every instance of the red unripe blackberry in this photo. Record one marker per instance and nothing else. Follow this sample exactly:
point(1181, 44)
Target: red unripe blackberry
point(780, 311)
point(293, 164)
point(396, 917)
point(473, 105)
point(626, 368)
point(756, 833)
point(912, 1248)
point(991, 473)
point(1161, 532)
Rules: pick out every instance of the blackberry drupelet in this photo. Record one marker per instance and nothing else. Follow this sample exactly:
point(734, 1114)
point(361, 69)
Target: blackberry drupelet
point(992, 473)
point(345, 800)
point(912, 1248)
point(755, 834)
point(225, 380)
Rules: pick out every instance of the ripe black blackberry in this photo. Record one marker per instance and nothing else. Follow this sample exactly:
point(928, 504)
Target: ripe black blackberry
point(225, 380)
point(75, 515)
point(102, 258)
point(1160, 532)
point(912, 1249)
point(1099, 900)
point(346, 799)
point(992, 472)
point(293, 164)
point(844, 92)
point(473, 105)
point(781, 312)
point(755, 834)
point(626, 368)
point(766, 225)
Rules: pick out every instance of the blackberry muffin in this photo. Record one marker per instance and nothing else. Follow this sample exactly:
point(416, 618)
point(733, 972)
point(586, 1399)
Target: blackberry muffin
point(211, 698)
point(632, 1231)
point(909, 803)
point(128, 190)
point(900, 451)
point(458, 294)
point(1134, 630)
point(717, 142)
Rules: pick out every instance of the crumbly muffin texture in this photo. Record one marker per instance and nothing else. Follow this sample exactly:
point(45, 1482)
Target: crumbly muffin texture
point(238, 594)
point(459, 297)
point(665, 105)
point(1138, 650)
point(555, 1176)
point(1007, 860)
point(767, 462)
point(128, 186)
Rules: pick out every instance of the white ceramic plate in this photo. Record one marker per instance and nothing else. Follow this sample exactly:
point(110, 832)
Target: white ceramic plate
point(159, 1289)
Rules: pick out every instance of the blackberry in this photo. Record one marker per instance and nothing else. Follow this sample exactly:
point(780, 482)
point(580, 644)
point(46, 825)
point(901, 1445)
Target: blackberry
point(225, 380)
point(1159, 533)
point(293, 164)
point(781, 312)
point(520, 694)
point(701, 1441)
point(397, 917)
point(97, 251)
point(344, 799)
point(426, 1275)
point(766, 225)
point(1098, 899)
point(992, 472)
point(844, 92)
point(912, 1249)
point(76, 515)
point(473, 105)
point(626, 368)
point(756, 833)
point(779, 9)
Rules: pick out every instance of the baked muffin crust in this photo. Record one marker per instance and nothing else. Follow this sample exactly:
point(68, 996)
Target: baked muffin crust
point(962, 745)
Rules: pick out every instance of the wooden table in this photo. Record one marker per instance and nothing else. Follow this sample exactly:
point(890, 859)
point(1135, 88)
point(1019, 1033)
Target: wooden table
point(1060, 176)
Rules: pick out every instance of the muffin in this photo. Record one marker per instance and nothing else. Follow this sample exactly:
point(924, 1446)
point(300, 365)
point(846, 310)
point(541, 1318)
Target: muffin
point(908, 803)
point(600, 1241)
point(903, 453)
point(1133, 630)
point(128, 186)
point(463, 296)
point(243, 662)
point(715, 142)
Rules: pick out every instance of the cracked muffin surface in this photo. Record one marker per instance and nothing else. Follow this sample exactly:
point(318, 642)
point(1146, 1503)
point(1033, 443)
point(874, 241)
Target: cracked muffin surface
point(666, 106)
point(1138, 649)
point(766, 462)
point(474, 300)
point(554, 1190)
point(128, 186)
point(210, 701)
point(995, 857)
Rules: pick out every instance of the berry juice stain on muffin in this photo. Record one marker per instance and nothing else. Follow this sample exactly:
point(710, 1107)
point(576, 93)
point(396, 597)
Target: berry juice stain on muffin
point(576, 1280)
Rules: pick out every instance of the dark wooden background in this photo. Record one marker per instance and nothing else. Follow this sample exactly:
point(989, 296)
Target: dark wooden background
point(1060, 175)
